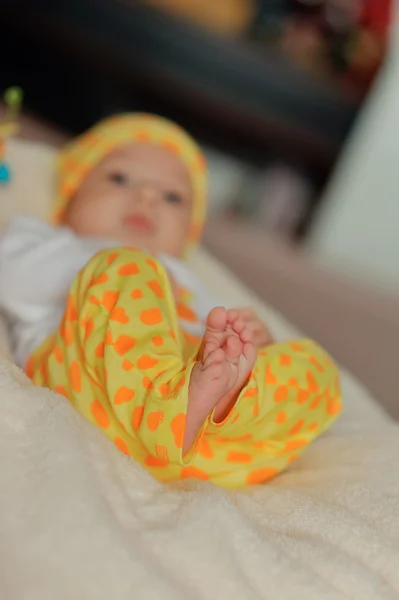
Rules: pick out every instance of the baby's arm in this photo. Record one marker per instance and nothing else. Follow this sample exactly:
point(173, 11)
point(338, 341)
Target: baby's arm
point(38, 263)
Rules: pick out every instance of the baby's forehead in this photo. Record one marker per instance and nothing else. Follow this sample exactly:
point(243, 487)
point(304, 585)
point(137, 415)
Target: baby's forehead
point(149, 156)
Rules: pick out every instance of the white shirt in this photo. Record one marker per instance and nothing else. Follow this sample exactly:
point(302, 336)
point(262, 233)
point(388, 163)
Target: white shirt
point(38, 263)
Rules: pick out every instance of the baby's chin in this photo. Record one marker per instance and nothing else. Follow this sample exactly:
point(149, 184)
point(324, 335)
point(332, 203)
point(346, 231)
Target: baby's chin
point(149, 243)
point(140, 240)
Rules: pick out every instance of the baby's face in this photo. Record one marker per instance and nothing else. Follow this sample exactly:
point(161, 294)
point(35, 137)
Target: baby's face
point(139, 195)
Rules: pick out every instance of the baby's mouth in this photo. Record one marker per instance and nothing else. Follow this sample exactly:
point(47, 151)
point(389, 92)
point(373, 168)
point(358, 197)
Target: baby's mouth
point(139, 223)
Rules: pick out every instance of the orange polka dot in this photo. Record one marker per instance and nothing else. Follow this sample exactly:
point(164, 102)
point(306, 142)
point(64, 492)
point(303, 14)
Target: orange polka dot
point(180, 384)
point(261, 445)
point(239, 457)
point(195, 231)
point(293, 382)
point(94, 300)
point(128, 269)
point(193, 473)
point(297, 427)
point(59, 357)
point(110, 299)
point(172, 146)
point(122, 446)
point(108, 338)
point(146, 362)
point(185, 313)
point(281, 417)
point(127, 365)
point(113, 256)
point(302, 396)
point(123, 344)
point(137, 417)
point(261, 475)
point(67, 334)
point(297, 347)
point(292, 458)
point(123, 394)
point(178, 426)
point(152, 316)
point(99, 414)
point(44, 371)
point(152, 461)
point(99, 351)
point(75, 376)
point(30, 367)
point(313, 426)
point(60, 389)
point(89, 328)
point(103, 278)
point(154, 420)
point(316, 364)
point(285, 360)
point(71, 313)
point(147, 383)
point(201, 162)
point(165, 389)
point(136, 294)
point(142, 136)
point(313, 405)
point(119, 315)
point(312, 384)
point(158, 340)
point(255, 410)
point(204, 449)
point(153, 264)
point(281, 394)
point(333, 406)
point(269, 376)
point(251, 392)
point(294, 445)
point(155, 286)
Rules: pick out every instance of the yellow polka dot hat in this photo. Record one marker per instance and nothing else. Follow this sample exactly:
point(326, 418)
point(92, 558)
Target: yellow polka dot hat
point(81, 155)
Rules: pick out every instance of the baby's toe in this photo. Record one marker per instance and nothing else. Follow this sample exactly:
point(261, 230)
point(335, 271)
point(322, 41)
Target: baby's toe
point(247, 336)
point(233, 348)
point(217, 319)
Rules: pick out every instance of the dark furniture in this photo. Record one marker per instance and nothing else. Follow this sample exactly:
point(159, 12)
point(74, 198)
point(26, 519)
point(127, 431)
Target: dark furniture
point(79, 60)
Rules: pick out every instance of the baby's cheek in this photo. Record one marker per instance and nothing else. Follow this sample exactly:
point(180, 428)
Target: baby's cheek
point(174, 244)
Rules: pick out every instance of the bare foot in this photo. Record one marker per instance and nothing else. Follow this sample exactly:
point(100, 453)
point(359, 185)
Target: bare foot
point(225, 356)
point(246, 362)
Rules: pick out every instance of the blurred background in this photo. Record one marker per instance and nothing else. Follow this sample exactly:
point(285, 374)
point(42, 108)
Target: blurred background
point(296, 105)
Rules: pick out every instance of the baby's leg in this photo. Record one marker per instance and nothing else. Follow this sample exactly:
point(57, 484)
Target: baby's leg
point(225, 361)
point(118, 356)
point(291, 398)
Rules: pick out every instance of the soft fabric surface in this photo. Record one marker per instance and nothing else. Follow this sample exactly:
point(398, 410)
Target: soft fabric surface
point(79, 520)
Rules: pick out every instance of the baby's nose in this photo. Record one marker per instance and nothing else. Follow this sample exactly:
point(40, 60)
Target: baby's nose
point(149, 193)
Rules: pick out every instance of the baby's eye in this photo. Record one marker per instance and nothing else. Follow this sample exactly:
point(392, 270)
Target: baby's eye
point(173, 197)
point(119, 178)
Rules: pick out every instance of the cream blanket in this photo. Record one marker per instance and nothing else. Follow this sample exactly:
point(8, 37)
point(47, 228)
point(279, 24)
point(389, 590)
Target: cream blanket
point(79, 521)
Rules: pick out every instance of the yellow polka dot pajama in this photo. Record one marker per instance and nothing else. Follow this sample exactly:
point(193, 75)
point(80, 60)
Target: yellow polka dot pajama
point(121, 357)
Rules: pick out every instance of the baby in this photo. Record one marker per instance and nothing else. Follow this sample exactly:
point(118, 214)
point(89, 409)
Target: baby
point(103, 310)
